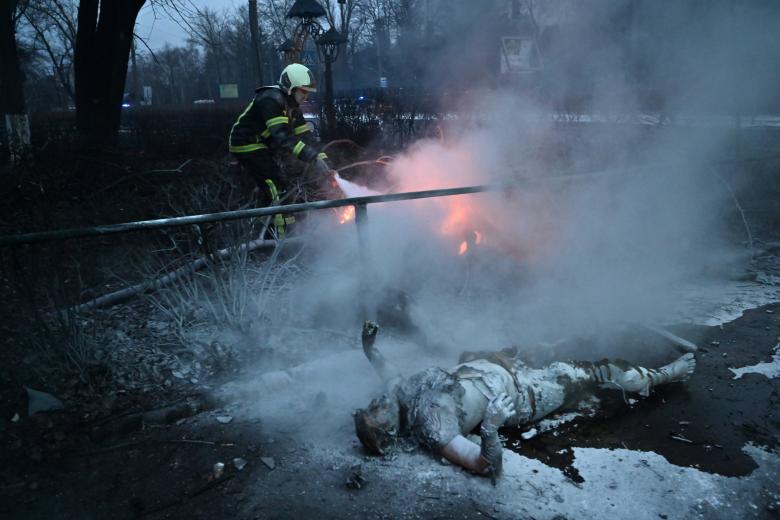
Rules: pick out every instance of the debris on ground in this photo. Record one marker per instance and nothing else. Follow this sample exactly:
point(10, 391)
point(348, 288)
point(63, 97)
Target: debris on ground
point(239, 463)
point(224, 419)
point(218, 470)
point(41, 402)
point(269, 462)
point(530, 434)
point(355, 480)
point(678, 437)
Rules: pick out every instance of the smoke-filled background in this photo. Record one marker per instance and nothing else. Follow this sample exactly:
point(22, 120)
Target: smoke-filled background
point(546, 258)
point(599, 227)
point(630, 153)
point(609, 149)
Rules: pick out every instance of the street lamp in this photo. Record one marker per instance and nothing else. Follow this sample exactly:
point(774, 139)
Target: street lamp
point(329, 44)
point(306, 12)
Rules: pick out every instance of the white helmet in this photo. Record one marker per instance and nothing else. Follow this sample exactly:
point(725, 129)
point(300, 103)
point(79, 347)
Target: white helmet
point(299, 76)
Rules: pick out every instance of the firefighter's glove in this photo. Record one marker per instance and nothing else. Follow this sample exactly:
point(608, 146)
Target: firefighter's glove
point(321, 167)
point(498, 410)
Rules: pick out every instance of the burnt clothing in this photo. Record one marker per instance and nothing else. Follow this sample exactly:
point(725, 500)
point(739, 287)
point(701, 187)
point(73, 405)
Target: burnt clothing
point(430, 407)
point(438, 405)
point(273, 122)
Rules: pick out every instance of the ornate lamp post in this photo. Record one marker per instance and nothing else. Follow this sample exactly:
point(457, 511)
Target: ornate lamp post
point(329, 44)
point(306, 12)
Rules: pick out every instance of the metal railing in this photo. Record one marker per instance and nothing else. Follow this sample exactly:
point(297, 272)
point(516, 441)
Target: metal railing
point(360, 204)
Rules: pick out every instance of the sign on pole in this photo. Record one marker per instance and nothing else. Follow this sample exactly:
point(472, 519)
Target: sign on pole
point(228, 90)
point(517, 54)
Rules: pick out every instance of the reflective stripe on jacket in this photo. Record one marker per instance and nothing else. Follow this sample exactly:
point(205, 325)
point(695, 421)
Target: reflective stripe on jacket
point(274, 121)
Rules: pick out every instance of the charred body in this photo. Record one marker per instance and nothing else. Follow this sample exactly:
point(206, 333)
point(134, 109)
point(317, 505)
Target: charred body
point(438, 408)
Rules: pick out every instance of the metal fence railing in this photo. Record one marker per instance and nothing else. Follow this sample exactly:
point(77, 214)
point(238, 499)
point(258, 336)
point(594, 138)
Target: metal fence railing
point(360, 204)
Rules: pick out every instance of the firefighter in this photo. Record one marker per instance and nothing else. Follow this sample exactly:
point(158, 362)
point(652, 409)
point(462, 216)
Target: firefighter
point(273, 124)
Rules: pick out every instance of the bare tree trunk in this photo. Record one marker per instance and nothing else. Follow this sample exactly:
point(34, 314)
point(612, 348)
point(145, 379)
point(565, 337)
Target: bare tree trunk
point(12, 110)
point(136, 80)
point(105, 34)
point(255, 42)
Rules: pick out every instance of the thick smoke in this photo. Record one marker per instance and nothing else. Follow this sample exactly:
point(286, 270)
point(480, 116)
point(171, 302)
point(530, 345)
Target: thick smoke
point(564, 252)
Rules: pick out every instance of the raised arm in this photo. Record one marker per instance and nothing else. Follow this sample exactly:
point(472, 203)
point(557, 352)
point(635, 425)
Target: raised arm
point(385, 370)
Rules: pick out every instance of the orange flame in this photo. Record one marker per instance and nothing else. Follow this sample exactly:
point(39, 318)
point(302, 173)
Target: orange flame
point(347, 214)
point(522, 226)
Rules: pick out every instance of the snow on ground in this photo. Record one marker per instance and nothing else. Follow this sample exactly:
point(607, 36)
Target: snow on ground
point(314, 407)
point(718, 302)
point(618, 484)
point(771, 369)
point(639, 485)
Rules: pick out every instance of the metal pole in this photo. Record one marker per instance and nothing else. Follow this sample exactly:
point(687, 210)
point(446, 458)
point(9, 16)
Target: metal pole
point(361, 219)
point(367, 299)
point(45, 236)
point(64, 234)
point(735, 90)
point(329, 110)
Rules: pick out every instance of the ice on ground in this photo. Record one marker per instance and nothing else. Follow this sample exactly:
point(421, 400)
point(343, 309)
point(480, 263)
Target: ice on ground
point(641, 485)
point(586, 408)
point(716, 303)
point(769, 369)
point(618, 484)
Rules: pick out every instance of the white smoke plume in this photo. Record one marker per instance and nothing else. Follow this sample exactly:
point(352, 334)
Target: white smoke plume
point(547, 260)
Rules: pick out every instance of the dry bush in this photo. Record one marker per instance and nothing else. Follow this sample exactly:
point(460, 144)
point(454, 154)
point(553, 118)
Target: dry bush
point(60, 343)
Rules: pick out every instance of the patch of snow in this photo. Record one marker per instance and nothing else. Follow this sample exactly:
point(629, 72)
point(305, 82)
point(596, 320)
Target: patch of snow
point(722, 302)
point(644, 482)
point(530, 434)
point(769, 369)
point(585, 408)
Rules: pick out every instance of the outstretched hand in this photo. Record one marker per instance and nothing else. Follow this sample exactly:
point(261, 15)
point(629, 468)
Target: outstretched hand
point(370, 330)
point(385, 371)
point(498, 410)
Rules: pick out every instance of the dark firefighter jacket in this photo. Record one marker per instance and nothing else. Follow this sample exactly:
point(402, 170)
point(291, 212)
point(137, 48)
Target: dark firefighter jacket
point(273, 121)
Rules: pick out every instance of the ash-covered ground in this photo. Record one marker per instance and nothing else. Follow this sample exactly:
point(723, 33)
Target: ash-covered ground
point(703, 449)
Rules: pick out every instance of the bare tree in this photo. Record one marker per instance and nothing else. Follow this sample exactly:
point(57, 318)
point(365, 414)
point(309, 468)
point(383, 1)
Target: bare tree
point(53, 26)
point(207, 28)
point(12, 108)
point(274, 12)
